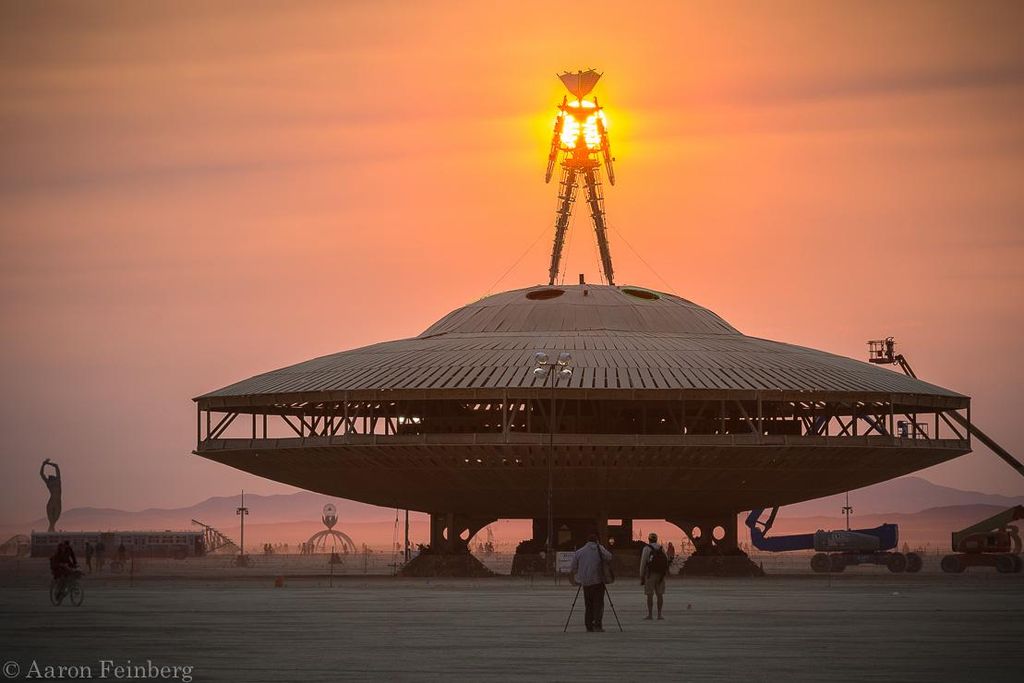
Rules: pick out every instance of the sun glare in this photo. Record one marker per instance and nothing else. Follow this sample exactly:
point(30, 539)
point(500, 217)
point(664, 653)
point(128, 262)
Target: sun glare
point(579, 122)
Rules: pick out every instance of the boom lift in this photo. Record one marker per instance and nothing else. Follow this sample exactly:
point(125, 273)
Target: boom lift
point(993, 542)
point(837, 550)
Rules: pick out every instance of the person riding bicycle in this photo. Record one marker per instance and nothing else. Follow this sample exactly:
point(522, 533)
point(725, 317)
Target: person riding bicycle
point(63, 562)
point(64, 567)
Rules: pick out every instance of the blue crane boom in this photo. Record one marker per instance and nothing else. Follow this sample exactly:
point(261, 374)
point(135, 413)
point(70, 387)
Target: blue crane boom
point(884, 537)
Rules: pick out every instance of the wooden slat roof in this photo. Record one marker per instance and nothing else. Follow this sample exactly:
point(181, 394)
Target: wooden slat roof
point(617, 340)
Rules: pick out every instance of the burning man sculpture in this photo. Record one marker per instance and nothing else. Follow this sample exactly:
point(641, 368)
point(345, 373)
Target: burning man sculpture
point(581, 135)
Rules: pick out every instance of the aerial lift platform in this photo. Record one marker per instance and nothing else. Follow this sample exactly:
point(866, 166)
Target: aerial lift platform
point(837, 550)
point(993, 542)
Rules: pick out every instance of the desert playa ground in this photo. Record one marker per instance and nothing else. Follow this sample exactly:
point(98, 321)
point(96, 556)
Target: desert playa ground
point(234, 625)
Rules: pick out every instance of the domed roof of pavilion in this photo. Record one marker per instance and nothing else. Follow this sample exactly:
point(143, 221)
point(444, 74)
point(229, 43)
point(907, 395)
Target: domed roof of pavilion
point(581, 309)
point(621, 338)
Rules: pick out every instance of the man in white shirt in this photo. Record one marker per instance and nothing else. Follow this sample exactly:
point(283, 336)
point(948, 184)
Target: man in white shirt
point(653, 568)
point(588, 568)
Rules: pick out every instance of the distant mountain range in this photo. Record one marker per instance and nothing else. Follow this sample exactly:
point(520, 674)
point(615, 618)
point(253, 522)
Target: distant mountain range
point(903, 495)
point(301, 510)
point(218, 511)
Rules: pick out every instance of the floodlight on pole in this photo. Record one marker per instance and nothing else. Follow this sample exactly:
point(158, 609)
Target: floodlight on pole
point(561, 369)
point(581, 139)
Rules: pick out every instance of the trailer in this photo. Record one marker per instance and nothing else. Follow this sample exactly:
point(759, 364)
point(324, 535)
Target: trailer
point(172, 544)
point(836, 550)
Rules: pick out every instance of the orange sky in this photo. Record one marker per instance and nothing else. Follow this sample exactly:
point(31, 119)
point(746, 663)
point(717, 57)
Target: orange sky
point(191, 193)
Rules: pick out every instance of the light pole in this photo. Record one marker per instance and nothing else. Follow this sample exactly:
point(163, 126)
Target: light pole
point(545, 370)
point(242, 511)
point(406, 553)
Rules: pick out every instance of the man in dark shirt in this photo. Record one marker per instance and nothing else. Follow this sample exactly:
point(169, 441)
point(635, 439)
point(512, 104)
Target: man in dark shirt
point(654, 566)
point(63, 561)
point(101, 551)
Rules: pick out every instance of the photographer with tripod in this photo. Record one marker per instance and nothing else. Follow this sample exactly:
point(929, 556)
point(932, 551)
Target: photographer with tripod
point(590, 565)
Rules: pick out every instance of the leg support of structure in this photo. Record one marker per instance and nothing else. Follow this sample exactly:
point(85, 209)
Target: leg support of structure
point(710, 535)
point(451, 532)
point(716, 547)
point(572, 533)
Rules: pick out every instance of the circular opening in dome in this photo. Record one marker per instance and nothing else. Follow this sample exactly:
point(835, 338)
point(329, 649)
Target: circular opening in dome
point(640, 293)
point(540, 294)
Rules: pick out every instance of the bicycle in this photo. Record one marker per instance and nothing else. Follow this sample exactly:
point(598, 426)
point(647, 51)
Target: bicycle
point(68, 586)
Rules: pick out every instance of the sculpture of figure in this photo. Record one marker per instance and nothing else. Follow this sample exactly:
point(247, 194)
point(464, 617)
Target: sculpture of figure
point(330, 517)
point(52, 482)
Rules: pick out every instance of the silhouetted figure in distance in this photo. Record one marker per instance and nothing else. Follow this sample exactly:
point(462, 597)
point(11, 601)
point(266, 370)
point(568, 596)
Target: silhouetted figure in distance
point(52, 482)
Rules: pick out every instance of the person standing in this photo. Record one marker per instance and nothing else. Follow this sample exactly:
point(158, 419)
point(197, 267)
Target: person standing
point(653, 569)
point(588, 566)
point(100, 550)
point(88, 556)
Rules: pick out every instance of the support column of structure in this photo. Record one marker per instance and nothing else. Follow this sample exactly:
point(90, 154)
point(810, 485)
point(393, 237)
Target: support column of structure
point(447, 530)
point(448, 554)
point(530, 558)
point(714, 554)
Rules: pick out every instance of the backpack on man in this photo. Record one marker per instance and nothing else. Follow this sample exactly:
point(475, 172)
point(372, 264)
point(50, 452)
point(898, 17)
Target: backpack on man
point(657, 563)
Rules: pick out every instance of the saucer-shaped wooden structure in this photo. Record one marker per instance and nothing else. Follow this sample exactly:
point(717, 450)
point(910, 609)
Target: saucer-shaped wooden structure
point(669, 413)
